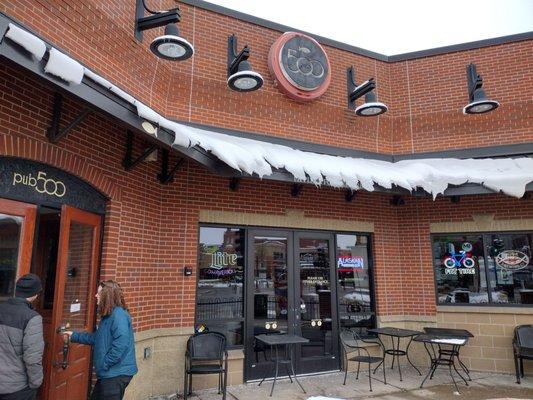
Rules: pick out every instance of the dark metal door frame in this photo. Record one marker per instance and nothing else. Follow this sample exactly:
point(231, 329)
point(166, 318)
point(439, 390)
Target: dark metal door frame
point(318, 364)
point(249, 291)
point(293, 295)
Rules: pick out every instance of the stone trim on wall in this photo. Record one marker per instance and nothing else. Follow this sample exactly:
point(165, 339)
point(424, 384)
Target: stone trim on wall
point(482, 223)
point(162, 332)
point(493, 327)
point(291, 219)
point(386, 319)
point(161, 374)
point(486, 310)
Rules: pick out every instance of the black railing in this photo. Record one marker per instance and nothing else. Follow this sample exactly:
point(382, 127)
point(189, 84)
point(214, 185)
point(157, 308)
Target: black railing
point(220, 308)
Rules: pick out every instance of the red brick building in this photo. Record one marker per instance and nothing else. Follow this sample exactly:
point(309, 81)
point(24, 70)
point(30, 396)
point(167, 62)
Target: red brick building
point(260, 251)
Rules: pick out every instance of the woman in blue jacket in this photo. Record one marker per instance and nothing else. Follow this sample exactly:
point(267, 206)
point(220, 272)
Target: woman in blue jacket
point(113, 344)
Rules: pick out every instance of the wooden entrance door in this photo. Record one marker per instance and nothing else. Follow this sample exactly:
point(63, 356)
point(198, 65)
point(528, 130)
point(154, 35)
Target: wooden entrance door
point(17, 225)
point(75, 287)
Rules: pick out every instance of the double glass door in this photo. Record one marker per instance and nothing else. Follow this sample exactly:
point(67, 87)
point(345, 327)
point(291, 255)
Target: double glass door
point(291, 289)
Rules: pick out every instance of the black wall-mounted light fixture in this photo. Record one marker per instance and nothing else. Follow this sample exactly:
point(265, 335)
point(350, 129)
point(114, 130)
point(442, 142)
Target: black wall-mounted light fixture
point(241, 78)
point(397, 201)
point(296, 189)
point(371, 106)
point(479, 103)
point(234, 184)
point(349, 195)
point(170, 46)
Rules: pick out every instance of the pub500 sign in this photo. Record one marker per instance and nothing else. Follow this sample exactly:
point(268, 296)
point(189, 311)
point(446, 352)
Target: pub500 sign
point(41, 184)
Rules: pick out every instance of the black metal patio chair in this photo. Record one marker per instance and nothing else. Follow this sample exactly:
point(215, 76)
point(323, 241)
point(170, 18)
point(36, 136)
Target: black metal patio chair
point(206, 354)
point(522, 348)
point(352, 342)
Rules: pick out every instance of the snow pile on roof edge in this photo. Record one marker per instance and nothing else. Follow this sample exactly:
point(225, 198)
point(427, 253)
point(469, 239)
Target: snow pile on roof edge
point(65, 67)
point(28, 41)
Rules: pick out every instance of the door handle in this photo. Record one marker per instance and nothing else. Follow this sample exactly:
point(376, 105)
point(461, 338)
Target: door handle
point(66, 346)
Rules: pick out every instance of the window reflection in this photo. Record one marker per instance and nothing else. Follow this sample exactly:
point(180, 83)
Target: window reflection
point(315, 301)
point(219, 302)
point(270, 308)
point(510, 267)
point(507, 278)
point(354, 290)
point(10, 227)
point(460, 269)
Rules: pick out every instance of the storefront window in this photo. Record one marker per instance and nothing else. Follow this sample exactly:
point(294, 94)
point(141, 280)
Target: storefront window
point(483, 268)
point(356, 306)
point(460, 269)
point(510, 267)
point(219, 301)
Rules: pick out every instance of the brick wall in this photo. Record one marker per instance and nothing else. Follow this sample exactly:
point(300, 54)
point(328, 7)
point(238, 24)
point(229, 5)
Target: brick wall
point(415, 218)
point(93, 152)
point(151, 230)
point(425, 96)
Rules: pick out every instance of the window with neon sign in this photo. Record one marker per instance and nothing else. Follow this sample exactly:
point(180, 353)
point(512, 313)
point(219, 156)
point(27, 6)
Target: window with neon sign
point(490, 268)
point(354, 289)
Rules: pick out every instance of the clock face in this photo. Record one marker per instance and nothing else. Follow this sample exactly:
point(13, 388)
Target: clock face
point(304, 63)
point(300, 66)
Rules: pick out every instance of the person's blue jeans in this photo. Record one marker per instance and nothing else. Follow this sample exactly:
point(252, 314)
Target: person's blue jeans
point(110, 388)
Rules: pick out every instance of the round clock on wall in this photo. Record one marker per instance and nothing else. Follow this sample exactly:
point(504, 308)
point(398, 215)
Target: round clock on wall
point(300, 66)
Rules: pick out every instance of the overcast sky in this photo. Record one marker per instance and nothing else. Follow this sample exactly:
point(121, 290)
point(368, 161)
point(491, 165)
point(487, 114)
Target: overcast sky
point(396, 26)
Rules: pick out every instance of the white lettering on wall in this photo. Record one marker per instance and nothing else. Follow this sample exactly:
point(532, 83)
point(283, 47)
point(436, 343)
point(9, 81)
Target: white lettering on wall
point(41, 184)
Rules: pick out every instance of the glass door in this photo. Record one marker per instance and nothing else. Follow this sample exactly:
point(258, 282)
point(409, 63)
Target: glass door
point(17, 226)
point(74, 302)
point(269, 301)
point(291, 288)
point(315, 292)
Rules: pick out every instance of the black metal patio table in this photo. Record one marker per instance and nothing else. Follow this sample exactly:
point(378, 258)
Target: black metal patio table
point(287, 341)
point(455, 333)
point(396, 352)
point(442, 350)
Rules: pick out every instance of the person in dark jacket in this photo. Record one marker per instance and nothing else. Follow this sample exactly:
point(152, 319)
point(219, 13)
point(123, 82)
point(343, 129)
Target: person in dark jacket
point(113, 344)
point(21, 342)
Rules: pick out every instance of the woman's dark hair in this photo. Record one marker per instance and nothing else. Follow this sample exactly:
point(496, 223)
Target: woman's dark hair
point(111, 296)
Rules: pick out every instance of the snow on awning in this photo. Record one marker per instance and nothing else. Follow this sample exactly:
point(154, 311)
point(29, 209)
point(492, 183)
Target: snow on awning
point(63, 66)
point(35, 46)
point(261, 158)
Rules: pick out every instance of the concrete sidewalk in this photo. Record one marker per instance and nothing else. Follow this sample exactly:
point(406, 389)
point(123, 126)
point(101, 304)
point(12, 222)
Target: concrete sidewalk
point(483, 386)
